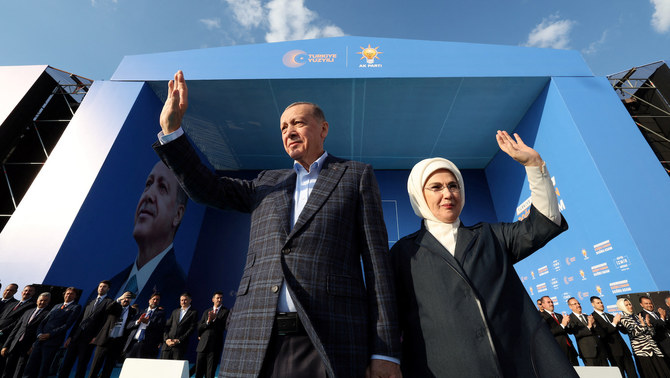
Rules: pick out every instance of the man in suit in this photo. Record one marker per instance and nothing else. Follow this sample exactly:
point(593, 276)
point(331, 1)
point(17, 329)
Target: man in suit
point(557, 325)
point(178, 330)
point(210, 335)
point(112, 336)
point(607, 328)
point(146, 331)
point(591, 350)
point(8, 295)
point(51, 334)
point(311, 226)
point(158, 214)
point(661, 329)
point(11, 314)
point(79, 344)
point(17, 347)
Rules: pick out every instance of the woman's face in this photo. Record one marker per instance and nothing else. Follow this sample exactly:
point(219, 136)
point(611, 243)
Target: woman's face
point(443, 195)
point(629, 306)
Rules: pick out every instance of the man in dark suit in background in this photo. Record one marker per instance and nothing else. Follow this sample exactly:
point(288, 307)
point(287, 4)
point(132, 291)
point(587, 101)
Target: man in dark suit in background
point(17, 347)
point(311, 226)
point(178, 330)
point(608, 327)
point(80, 342)
point(8, 295)
point(51, 334)
point(146, 331)
point(112, 336)
point(557, 324)
point(591, 350)
point(661, 329)
point(210, 334)
point(11, 314)
point(159, 212)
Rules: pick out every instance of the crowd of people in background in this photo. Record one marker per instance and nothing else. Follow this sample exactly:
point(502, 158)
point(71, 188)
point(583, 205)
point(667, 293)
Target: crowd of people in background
point(598, 335)
point(35, 328)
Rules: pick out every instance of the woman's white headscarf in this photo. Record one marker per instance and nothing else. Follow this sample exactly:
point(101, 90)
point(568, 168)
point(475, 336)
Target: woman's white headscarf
point(621, 305)
point(444, 232)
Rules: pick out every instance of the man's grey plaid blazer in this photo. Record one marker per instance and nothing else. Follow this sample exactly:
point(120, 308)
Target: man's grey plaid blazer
point(348, 317)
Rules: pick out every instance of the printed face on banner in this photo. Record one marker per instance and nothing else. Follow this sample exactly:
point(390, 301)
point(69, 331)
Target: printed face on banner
point(158, 215)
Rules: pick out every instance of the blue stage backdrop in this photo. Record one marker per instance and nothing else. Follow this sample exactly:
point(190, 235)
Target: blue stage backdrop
point(391, 107)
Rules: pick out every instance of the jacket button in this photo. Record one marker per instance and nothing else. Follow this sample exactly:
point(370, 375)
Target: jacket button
point(286, 251)
point(275, 288)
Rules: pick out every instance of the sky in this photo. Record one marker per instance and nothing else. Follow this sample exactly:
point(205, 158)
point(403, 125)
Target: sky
point(91, 37)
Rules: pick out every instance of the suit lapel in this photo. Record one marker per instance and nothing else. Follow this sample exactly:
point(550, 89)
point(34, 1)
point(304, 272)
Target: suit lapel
point(463, 241)
point(430, 243)
point(330, 175)
point(285, 201)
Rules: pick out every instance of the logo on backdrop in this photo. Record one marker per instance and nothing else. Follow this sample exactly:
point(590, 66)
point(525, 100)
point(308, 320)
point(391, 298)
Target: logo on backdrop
point(581, 273)
point(543, 270)
point(620, 287)
point(298, 58)
point(570, 260)
point(557, 265)
point(583, 295)
point(612, 308)
point(369, 54)
point(568, 279)
point(586, 257)
point(600, 269)
point(599, 290)
point(541, 287)
point(602, 247)
point(622, 262)
point(554, 283)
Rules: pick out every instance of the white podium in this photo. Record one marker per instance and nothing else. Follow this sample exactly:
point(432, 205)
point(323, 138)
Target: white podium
point(148, 368)
point(598, 371)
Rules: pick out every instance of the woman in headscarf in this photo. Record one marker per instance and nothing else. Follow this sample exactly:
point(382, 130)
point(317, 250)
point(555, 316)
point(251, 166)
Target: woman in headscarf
point(463, 310)
point(649, 357)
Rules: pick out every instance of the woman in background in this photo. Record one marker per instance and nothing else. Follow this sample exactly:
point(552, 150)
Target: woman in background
point(649, 357)
point(463, 310)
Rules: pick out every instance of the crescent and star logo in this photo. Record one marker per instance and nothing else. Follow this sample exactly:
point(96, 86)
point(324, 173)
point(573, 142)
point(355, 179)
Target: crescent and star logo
point(294, 58)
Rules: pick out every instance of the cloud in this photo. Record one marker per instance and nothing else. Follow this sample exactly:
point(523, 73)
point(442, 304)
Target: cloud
point(281, 20)
point(290, 20)
point(660, 20)
point(96, 2)
point(595, 46)
point(551, 32)
point(211, 23)
point(249, 13)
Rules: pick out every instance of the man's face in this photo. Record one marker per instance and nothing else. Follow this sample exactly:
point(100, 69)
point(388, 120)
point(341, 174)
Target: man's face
point(154, 301)
point(158, 215)
point(598, 305)
point(303, 134)
point(103, 288)
point(547, 304)
point(575, 306)
point(184, 301)
point(69, 296)
point(43, 301)
point(647, 304)
point(217, 299)
point(27, 293)
point(9, 292)
point(125, 301)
